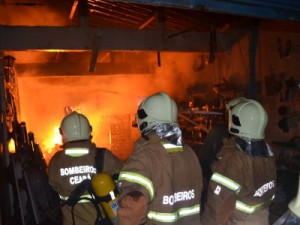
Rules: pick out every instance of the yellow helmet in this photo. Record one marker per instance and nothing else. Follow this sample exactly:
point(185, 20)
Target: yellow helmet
point(156, 109)
point(248, 119)
point(75, 127)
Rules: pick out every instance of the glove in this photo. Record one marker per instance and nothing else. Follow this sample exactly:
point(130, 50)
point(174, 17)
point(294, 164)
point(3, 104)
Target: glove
point(132, 209)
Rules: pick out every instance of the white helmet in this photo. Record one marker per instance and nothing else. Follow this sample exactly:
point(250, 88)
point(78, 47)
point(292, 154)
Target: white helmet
point(294, 205)
point(156, 109)
point(74, 127)
point(248, 119)
point(234, 102)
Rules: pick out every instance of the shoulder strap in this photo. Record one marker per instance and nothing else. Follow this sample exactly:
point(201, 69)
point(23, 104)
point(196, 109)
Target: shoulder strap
point(99, 159)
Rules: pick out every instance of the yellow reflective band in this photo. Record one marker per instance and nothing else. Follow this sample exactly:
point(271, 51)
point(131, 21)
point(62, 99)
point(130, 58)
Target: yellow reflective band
point(250, 209)
point(112, 195)
point(272, 198)
point(172, 217)
point(65, 198)
point(226, 182)
point(75, 152)
point(172, 148)
point(247, 208)
point(139, 179)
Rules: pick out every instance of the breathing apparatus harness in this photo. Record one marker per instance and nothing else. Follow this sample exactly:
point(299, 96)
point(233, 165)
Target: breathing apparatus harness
point(85, 186)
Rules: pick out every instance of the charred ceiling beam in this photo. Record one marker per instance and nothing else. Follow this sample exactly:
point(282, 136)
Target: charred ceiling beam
point(275, 9)
point(77, 69)
point(95, 53)
point(73, 9)
point(149, 20)
point(15, 38)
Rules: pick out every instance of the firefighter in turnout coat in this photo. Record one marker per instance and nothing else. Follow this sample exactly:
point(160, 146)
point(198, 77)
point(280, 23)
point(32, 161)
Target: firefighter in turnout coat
point(79, 160)
point(243, 182)
point(161, 182)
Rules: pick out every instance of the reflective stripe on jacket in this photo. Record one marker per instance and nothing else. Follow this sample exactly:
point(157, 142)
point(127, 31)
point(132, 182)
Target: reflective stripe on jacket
point(172, 217)
point(232, 185)
point(138, 179)
point(69, 167)
point(240, 189)
point(83, 198)
point(166, 174)
point(159, 216)
point(76, 152)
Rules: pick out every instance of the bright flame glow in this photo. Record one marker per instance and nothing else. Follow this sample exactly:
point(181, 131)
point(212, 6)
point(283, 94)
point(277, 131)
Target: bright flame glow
point(52, 144)
point(109, 102)
point(57, 137)
point(11, 146)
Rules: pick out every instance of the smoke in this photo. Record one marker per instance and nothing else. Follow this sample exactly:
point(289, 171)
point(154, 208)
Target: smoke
point(109, 101)
point(38, 14)
point(176, 74)
point(105, 99)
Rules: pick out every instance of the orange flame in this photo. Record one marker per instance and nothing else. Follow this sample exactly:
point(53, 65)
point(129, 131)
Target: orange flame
point(52, 144)
point(11, 146)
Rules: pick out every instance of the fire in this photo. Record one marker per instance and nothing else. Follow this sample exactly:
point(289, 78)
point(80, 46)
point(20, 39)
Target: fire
point(53, 140)
point(57, 137)
point(109, 102)
point(11, 146)
point(51, 144)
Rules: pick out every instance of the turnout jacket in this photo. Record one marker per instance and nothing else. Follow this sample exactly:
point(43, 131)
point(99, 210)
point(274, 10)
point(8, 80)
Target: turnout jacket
point(170, 178)
point(241, 188)
point(67, 169)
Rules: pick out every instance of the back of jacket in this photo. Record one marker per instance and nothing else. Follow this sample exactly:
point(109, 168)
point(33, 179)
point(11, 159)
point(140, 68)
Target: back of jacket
point(241, 188)
point(66, 172)
point(173, 182)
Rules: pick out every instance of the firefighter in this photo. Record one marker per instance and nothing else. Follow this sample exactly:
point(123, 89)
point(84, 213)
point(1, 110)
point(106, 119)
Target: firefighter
point(243, 182)
point(214, 140)
point(161, 182)
point(78, 161)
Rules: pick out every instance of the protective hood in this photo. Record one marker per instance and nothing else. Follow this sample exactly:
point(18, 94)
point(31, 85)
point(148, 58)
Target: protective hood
point(169, 133)
point(253, 147)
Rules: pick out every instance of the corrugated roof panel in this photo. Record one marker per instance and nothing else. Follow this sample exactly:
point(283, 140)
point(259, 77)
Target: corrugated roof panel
point(268, 9)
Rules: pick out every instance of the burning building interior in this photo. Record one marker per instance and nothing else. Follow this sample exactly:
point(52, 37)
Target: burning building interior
point(101, 58)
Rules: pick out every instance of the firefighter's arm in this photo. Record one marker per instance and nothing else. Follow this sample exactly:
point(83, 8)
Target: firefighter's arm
point(112, 164)
point(132, 209)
